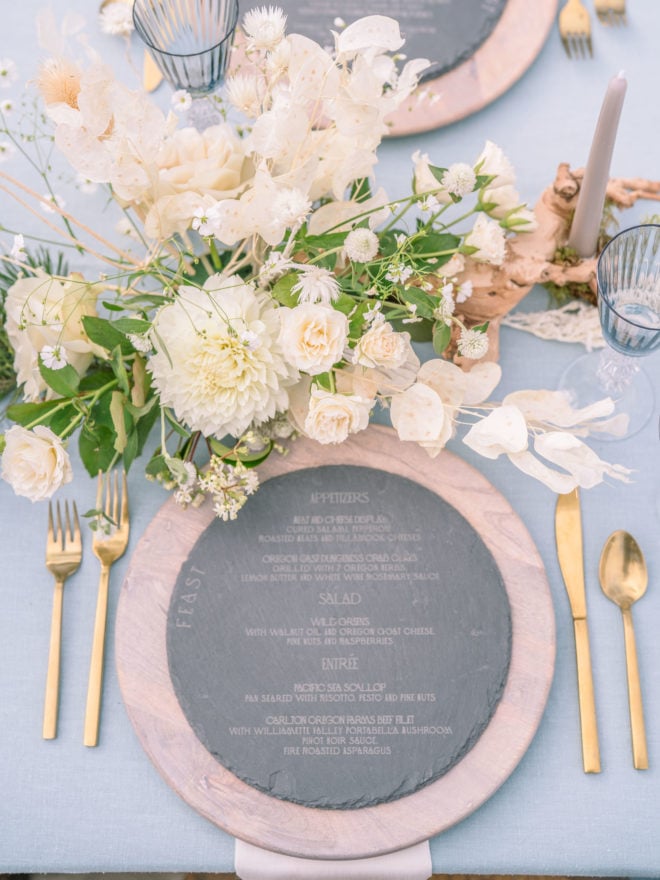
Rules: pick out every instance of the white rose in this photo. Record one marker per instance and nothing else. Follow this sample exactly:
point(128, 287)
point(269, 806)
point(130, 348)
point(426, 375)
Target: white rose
point(454, 266)
point(332, 417)
point(313, 337)
point(42, 311)
point(35, 463)
point(424, 179)
point(381, 346)
point(494, 163)
point(487, 237)
point(418, 415)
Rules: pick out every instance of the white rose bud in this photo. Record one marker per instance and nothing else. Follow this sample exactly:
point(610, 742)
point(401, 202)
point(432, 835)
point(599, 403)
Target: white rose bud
point(494, 163)
point(381, 346)
point(504, 199)
point(332, 417)
point(313, 337)
point(35, 463)
point(425, 181)
point(487, 237)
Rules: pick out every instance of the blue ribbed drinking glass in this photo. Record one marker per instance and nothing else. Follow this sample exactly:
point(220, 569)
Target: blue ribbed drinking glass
point(628, 274)
point(190, 40)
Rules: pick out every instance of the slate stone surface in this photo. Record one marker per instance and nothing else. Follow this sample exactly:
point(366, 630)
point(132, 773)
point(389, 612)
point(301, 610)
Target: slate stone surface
point(342, 643)
point(447, 32)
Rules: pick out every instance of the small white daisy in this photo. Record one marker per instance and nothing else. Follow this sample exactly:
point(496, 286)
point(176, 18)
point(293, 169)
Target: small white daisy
point(464, 291)
point(361, 245)
point(398, 273)
point(85, 185)
point(116, 19)
point(249, 339)
point(316, 285)
point(8, 73)
point(7, 150)
point(181, 101)
point(472, 344)
point(445, 309)
point(339, 22)
point(265, 27)
point(51, 203)
point(428, 204)
point(459, 179)
point(17, 251)
point(202, 221)
point(7, 106)
point(53, 357)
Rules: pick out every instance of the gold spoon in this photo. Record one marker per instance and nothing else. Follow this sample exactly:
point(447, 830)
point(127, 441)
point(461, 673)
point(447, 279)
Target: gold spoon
point(623, 578)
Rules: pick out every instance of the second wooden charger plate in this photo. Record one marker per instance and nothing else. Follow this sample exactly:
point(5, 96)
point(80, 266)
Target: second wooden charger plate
point(284, 826)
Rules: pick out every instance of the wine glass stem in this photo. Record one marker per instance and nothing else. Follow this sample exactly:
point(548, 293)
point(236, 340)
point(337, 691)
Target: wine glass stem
point(615, 371)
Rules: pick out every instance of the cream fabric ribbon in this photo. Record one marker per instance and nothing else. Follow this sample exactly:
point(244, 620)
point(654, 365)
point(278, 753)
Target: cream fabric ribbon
point(254, 863)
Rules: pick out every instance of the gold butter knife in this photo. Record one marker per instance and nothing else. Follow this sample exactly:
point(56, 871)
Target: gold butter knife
point(568, 534)
point(151, 75)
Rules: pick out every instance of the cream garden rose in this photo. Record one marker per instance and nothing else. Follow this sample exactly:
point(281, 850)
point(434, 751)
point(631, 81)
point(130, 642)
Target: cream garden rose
point(381, 346)
point(313, 337)
point(332, 417)
point(487, 237)
point(44, 312)
point(35, 463)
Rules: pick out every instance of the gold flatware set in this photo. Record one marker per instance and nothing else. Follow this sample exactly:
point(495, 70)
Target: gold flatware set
point(623, 578)
point(63, 558)
point(575, 24)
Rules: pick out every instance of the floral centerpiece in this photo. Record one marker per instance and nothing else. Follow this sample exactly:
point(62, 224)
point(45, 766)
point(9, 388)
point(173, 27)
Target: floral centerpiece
point(269, 288)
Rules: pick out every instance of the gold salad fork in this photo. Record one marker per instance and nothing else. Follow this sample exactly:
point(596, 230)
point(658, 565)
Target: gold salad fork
point(110, 542)
point(575, 29)
point(611, 11)
point(63, 556)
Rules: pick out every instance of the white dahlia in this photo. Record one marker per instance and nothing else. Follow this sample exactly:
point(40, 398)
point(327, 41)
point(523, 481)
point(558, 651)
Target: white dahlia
point(218, 362)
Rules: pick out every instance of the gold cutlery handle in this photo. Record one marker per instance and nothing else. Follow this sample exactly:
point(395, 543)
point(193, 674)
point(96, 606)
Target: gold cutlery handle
point(54, 653)
point(95, 685)
point(587, 702)
point(637, 728)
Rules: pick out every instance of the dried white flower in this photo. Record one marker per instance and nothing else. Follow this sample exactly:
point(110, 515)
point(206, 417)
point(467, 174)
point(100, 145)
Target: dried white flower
point(503, 431)
point(459, 179)
point(274, 266)
point(265, 27)
point(85, 185)
point(316, 285)
point(361, 245)
point(116, 19)
point(245, 93)
point(464, 291)
point(290, 207)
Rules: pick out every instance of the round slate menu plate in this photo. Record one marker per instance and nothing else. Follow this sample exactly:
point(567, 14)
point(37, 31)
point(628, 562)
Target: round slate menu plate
point(477, 48)
point(354, 664)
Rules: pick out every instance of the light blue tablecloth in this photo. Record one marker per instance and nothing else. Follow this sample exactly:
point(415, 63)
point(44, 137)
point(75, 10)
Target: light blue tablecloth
point(64, 807)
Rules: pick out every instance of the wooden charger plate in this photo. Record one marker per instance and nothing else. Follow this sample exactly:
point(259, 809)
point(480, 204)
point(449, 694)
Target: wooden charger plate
point(497, 64)
point(284, 826)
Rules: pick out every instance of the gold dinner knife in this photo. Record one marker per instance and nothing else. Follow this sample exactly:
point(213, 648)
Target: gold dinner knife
point(568, 534)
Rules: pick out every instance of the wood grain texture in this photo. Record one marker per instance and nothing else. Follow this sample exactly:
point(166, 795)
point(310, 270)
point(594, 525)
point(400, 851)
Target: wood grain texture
point(497, 64)
point(316, 833)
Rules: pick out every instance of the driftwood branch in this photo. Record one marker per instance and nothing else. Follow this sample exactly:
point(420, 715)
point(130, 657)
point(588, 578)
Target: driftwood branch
point(542, 257)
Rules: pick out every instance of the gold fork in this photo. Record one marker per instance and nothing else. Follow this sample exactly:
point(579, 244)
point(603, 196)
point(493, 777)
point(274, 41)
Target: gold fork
point(611, 11)
point(63, 556)
point(110, 541)
point(575, 29)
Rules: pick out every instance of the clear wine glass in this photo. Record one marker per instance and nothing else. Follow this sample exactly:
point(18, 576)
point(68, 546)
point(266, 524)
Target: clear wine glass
point(628, 275)
point(190, 41)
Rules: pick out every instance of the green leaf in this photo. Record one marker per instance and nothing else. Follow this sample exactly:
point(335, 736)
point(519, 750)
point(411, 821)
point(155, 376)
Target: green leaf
point(64, 382)
point(344, 303)
point(131, 450)
point(132, 325)
point(435, 248)
point(96, 448)
point(441, 336)
point(27, 413)
point(282, 290)
point(118, 415)
point(145, 423)
point(482, 327)
point(249, 459)
point(415, 296)
point(96, 379)
point(119, 369)
point(61, 419)
point(156, 465)
point(437, 172)
point(104, 333)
